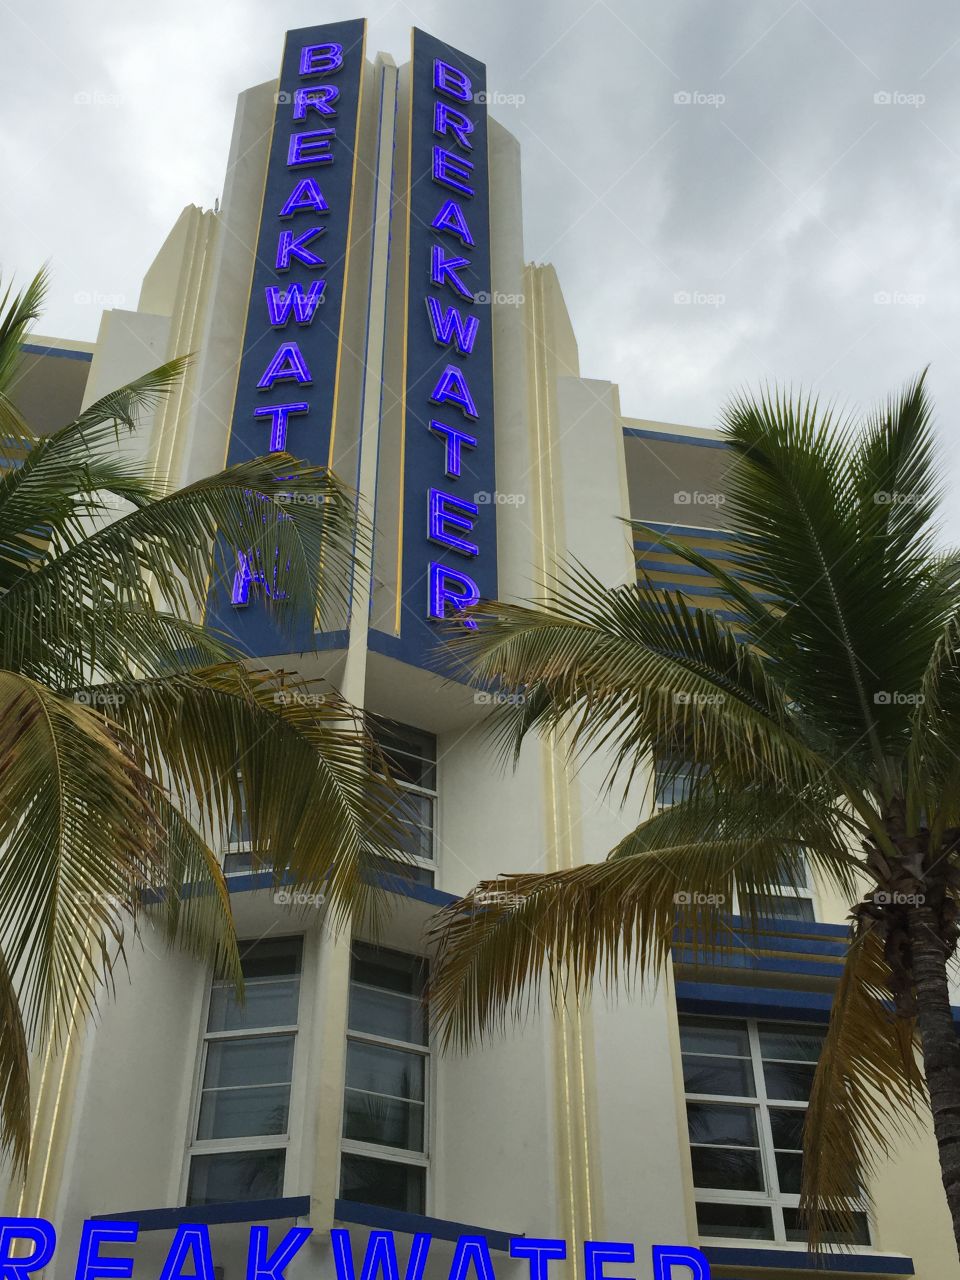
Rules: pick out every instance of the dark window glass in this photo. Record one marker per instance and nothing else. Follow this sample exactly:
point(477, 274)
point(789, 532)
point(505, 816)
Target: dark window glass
point(795, 1231)
point(735, 1221)
point(730, 1126)
point(781, 906)
point(411, 754)
point(713, 1035)
point(726, 1168)
point(386, 994)
point(788, 1081)
point(790, 1044)
point(383, 1182)
point(730, 1076)
point(241, 1175)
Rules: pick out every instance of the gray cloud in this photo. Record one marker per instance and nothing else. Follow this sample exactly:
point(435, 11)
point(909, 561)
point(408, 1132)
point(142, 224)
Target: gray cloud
point(789, 211)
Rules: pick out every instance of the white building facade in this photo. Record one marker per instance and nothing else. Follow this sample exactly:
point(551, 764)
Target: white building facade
point(362, 299)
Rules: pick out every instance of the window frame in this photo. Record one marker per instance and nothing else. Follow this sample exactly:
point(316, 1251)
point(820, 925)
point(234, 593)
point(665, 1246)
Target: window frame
point(761, 1104)
point(287, 1142)
point(399, 728)
point(376, 1150)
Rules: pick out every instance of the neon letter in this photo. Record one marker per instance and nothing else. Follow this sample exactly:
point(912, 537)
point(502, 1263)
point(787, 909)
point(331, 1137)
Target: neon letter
point(539, 1251)
point(455, 84)
point(381, 1255)
point(310, 148)
point(305, 195)
point(279, 415)
point(189, 1239)
point(291, 246)
point(287, 365)
point(448, 586)
point(450, 170)
point(320, 59)
point(452, 218)
point(259, 1266)
point(450, 326)
point(452, 388)
point(445, 512)
point(90, 1265)
point(281, 303)
point(319, 99)
point(44, 1239)
point(455, 439)
point(443, 270)
point(597, 1252)
point(450, 120)
point(668, 1256)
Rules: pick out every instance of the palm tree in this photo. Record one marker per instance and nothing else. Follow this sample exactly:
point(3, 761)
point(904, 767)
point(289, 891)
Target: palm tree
point(822, 722)
point(129, 732)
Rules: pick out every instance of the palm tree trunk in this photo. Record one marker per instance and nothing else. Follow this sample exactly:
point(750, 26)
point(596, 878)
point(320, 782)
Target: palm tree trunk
point(941, 1049)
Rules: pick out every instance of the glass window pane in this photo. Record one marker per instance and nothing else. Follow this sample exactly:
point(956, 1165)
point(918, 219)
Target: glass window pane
point(270, 1002)
point(252, 1060)
point(272, 958)
point(859, 1235)
point(789, 1167)
point(393, 970)
point(243, 1175)
point(727, 1168)
point(370, 1117)
point(781, 906)
point(796, 1044)
point(241, 1113)
point(786, 1124)
point(377, 1069)
point(411, 754)
point(790, 1081)
point(730, 1126)
point(414, 813)
point(734, 1221)
point(732, 1076)
point(381, 1182)
point(385, 1013)
point(714, 1036)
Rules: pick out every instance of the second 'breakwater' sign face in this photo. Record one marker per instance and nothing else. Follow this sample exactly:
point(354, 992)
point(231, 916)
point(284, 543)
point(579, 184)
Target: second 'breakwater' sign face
point(448, 548)
point(289, 366)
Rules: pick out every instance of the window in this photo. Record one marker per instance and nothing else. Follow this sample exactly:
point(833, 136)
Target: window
point(242, 1124)
point(747, 1085)
point(411, 755)
point(789, 902)
point(384, 1160)
point(673, 780)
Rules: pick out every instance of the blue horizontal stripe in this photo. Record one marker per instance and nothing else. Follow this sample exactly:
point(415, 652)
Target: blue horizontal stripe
point(879, 1264)
point(727, 1000)
point(64, 353)
point(774, 941)
point(690, 531)
point(744, 960)
point(227, 1211)
point(645, 433)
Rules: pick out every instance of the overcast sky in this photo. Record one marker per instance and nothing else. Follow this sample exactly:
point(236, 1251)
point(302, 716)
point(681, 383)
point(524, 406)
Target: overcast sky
point(792, 167)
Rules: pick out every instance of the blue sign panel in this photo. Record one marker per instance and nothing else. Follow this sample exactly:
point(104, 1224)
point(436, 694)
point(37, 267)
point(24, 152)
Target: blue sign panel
point(448, 540)
point(287, 387)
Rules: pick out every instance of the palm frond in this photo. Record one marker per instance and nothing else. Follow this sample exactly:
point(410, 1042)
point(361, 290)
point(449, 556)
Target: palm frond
point(14, 1075)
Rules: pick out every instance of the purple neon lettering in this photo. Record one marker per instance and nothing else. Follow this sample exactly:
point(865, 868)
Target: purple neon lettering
point(451, 326)
point(452, 218)
point(310, 148)
point(446, 513)
point(320, 59)
point(281, 302)
point(279, 415)
point(450, 80)
point(452, 171)
point(443, 271)
point(286, 365)
point(448, 120)
point(454, 440)
point(452, 388)
point(449, 586)
point(305, 195)
point(291, 246)
point(320, 99)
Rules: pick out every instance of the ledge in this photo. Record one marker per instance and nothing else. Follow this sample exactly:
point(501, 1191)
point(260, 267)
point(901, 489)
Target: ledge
point(840, 1264)
point(371, 1215)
